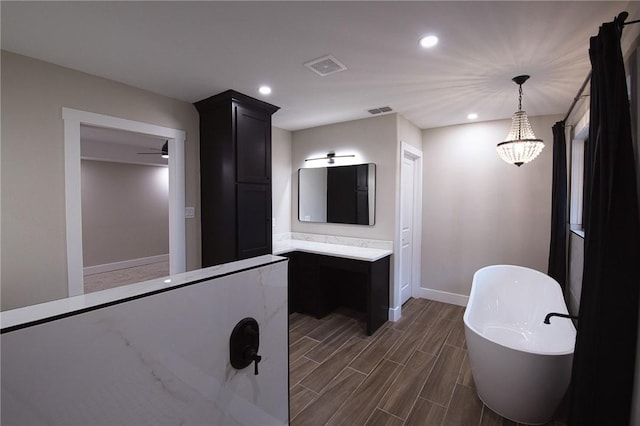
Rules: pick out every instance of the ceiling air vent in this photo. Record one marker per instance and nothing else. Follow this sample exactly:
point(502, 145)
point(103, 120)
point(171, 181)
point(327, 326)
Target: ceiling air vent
point(380, 110)
point(325, 66)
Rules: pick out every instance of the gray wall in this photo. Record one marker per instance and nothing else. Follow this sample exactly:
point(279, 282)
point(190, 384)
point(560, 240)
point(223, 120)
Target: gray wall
point(33, 202)
point(281, 177)
point(125, 212)
point(409, 133)
point(372, 140)
point(479, 210)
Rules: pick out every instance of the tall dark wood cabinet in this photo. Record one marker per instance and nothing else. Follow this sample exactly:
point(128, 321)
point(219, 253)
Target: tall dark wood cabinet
point(235, 177)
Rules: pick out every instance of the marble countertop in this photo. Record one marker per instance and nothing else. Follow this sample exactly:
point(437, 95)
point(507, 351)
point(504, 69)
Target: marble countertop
point(329, 249)
point(35, 314)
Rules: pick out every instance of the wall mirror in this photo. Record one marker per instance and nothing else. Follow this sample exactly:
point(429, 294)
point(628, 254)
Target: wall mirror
point(340, 194)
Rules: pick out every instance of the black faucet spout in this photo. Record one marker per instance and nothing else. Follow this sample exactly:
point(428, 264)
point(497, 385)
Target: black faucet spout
point(557, 314)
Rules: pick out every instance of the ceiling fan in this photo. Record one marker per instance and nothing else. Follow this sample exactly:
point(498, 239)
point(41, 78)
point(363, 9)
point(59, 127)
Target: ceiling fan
point(164, 151)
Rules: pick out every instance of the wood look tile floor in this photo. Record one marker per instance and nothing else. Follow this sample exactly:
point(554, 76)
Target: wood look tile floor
point(411, 372)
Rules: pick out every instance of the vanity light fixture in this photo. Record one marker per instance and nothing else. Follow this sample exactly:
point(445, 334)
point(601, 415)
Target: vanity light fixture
point(521, 145)
point(331, 156)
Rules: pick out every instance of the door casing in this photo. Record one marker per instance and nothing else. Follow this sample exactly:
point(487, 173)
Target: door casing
point(73, 119)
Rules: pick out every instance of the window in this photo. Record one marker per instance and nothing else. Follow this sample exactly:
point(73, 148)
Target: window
point(578, 144)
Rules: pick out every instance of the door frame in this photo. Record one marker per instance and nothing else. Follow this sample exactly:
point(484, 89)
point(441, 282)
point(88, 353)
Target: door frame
point(413, 153)
point(73, 189)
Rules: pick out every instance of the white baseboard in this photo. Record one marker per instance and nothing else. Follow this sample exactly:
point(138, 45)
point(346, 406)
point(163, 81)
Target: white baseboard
point(108, 267)
point(394, 313)
point(443, 296)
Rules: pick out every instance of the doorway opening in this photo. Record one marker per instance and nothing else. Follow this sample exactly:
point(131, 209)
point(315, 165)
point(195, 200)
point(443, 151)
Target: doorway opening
point(125, 207)
point(74, 120)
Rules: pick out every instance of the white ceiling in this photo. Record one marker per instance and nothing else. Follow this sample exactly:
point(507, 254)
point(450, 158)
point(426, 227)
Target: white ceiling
point(192, 50)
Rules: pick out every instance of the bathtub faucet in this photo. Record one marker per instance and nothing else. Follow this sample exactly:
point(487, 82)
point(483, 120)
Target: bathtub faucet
point(556, 314)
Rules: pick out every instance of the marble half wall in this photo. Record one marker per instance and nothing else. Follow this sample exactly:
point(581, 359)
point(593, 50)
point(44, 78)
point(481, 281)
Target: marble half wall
point(154, 360)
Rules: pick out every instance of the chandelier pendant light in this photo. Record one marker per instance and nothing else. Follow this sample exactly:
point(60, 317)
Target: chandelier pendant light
point(521, 145)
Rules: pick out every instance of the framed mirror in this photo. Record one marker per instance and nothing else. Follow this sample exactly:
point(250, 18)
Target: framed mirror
point(340, 194)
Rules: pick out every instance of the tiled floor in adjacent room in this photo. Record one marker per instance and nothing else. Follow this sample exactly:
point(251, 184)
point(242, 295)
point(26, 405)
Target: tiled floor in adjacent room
point(411, 372)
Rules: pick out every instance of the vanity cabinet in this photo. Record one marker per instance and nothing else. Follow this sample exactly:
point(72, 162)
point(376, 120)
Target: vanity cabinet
point(318, 284)
point(235, 177)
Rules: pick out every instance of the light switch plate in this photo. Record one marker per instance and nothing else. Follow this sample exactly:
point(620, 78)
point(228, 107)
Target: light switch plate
point(189, 212)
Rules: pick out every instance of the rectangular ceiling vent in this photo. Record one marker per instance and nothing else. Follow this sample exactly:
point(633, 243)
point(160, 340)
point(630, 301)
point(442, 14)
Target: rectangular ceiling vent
point(325, 66)
point(380, 110)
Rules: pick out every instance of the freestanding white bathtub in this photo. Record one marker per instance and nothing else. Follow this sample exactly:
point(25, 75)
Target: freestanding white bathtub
point(521, 366)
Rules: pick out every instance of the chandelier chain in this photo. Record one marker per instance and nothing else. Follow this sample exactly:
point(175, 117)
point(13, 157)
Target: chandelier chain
point(519, 109)
point(520, 97)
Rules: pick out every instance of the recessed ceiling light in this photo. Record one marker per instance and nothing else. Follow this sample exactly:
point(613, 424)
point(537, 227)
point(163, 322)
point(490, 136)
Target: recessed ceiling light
point(428, 41)
point(265, 90)
point(472, 116)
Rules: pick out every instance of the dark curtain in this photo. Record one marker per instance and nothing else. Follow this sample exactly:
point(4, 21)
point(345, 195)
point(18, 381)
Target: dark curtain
point(604, 357)
point(558, 247)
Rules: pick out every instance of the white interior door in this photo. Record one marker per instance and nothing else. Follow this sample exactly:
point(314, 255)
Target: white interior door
point(407, 188)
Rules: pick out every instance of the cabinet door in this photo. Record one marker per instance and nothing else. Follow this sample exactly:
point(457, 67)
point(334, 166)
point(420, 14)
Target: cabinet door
point(253, 145)
point(253, 220)
point(316, 287)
